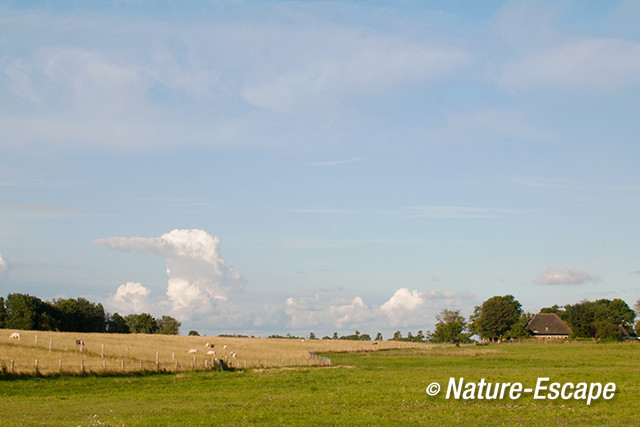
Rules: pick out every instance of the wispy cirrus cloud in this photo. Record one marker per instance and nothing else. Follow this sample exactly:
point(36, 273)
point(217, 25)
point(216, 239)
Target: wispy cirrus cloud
point(337, 162)
point(462, 212)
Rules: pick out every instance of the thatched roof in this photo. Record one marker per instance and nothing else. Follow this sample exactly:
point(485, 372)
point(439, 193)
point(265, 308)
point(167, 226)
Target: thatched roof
point(548, 324)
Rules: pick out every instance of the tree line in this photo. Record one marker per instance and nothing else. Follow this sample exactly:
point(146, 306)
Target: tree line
point(502, 318)
point(23, 311)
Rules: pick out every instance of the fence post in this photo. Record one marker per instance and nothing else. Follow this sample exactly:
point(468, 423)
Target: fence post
point(123, 366)
point(36, 366)
point(81, 346)
point(36, 344)
point(13, 367)
point(157, 360)
point(127, 351)
point(173, 356)
point(103, 351)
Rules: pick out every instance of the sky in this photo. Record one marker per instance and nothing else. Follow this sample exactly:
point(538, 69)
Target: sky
point(263, 167)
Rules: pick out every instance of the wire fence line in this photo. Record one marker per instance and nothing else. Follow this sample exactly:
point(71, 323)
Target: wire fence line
point(135, 366)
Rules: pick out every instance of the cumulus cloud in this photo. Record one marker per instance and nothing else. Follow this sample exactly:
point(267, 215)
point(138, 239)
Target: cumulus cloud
point(340, 313)
point(564, 276)
point(198, 276)
point(407, 308)
point(4, 265)
point(131, 297)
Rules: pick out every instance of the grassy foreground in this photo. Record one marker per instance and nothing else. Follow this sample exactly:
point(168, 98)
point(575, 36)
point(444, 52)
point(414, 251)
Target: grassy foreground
point(384, 387)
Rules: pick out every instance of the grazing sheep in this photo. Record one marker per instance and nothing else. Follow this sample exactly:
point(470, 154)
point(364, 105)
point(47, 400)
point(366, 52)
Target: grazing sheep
point(79, 342)
point(234, 354)
point(14, 336)
point(208, 345)
point(193, 351)
point(302, 340)
point(224, 347)
point(211, 353)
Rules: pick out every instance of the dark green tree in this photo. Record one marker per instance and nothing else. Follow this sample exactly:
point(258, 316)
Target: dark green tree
point(167, 325)
point(23, 311)
point(3, 313)
point(397, 336)
point(312, 336)
point(116, 324)
point(335, 336)
point(495, 318)
point(194, 333)
point(379, 336)
point(79, 315)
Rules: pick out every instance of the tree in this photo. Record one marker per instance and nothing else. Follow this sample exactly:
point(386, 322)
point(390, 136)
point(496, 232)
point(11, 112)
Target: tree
point(23, 311)
point(450, 327)
point(312, 336)
point(335, 336)
point(599, 319)
point(116, 324)
point(519, 329)
point(194, 333)
point(397, 336)
point(167, 325)
point(141, 323)
point(79, 315)
point(379, 336)
point(3, 313)
point(495, 318)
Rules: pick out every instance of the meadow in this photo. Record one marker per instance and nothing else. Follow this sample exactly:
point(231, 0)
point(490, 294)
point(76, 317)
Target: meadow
point(378, 387)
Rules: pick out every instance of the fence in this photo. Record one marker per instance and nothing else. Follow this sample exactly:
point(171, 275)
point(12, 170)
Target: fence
point(132, 366)
point(24, 358)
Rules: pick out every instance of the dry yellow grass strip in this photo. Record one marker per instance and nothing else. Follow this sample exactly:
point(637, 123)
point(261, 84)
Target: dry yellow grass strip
point(141, 351)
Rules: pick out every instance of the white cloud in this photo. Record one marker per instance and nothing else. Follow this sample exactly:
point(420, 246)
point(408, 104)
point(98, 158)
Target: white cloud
point(4, 265)
point(131, 297)
point(308, 312)
point(198, 277)
point(564, 276)
point(411, 308)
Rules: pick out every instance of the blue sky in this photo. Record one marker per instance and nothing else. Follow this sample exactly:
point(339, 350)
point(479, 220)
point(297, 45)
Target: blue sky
point(345, 164)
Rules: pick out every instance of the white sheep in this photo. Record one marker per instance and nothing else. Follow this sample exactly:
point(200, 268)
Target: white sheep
point(193, 351)
point(234, 354)
point(224, 347)
point(208, 345)
point(211, 353)
point(14, 336)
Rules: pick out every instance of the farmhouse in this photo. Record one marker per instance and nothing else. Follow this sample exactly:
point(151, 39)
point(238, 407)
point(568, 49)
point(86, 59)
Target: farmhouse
point(548, 325)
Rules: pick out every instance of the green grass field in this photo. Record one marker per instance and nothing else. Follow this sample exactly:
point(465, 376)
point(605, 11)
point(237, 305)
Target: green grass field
point(384, 387)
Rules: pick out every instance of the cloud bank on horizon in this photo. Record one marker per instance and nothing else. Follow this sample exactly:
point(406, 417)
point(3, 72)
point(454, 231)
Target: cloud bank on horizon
point(201, 286)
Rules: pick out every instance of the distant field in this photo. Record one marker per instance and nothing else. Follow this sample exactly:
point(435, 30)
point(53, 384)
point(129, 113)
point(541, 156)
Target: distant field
point(382, 387)
point(139, 351)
